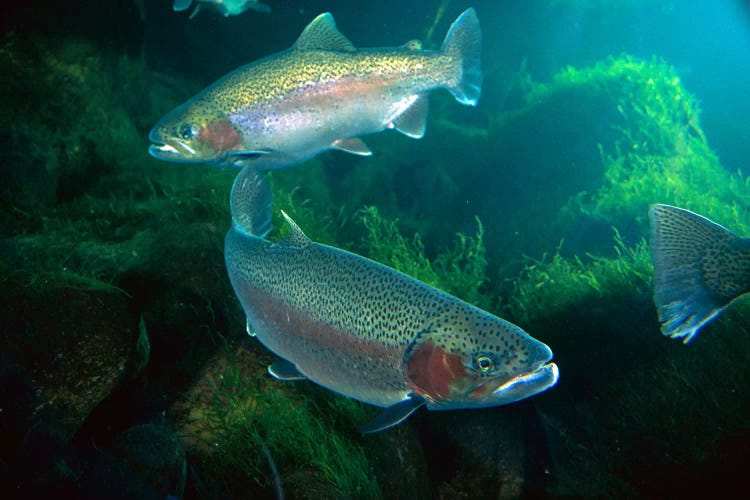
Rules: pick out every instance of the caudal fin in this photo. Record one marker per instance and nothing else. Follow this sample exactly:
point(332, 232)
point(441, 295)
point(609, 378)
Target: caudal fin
point(699, 268)
point(463, 43)
point(250, 203)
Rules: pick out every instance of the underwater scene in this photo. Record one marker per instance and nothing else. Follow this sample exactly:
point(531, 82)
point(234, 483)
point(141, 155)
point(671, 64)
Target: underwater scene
point(334, 249)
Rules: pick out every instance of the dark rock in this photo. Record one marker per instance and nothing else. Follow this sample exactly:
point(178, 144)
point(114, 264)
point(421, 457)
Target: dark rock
point(156, 454)
point(106, 476)
point(478, 453)
point(73, 343)
point(27, 180)
point(399, 463)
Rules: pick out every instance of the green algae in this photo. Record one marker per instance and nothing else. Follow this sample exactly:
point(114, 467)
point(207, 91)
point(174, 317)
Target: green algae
point(656, 153)
point(556, 283)
point(597, 311)
point(384, 243)
point(460, 270)
point(312, 444)
point(660, 153)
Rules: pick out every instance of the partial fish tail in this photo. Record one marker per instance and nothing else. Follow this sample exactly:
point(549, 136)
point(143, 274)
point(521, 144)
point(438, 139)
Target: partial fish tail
point(700, 267)
point(463, 44)
point(250, 203)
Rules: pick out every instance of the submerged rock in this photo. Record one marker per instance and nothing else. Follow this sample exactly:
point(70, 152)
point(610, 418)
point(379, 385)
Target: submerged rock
point(156, 454)
point(73, 343)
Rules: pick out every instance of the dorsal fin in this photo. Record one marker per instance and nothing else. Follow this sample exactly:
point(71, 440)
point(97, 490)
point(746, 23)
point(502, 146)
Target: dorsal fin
point(296, 238)
point(322, 34)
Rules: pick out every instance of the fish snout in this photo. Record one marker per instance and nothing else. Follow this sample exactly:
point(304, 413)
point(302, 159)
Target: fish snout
point(169, 148)
point(539, 375)
point(539, 355)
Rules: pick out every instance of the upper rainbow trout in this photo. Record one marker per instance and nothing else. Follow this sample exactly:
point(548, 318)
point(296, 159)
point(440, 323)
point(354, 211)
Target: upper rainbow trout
point(320, 94)
point(368, 331)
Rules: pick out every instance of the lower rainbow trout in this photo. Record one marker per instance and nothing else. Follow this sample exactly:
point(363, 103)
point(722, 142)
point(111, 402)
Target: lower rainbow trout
point(368, 331)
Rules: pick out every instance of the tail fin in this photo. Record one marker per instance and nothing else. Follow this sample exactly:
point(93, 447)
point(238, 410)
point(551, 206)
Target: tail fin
point(699, 268)
point(250, 203)
point(463, 43)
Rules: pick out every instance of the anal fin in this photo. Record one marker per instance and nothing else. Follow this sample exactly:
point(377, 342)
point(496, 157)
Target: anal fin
point(393, 415)
point(413, 121)
point(285, 371)
point(352, 145)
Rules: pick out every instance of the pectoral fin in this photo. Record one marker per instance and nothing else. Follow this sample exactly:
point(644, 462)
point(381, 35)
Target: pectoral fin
point(352, 145)
point(393, 415)
point(285, 371)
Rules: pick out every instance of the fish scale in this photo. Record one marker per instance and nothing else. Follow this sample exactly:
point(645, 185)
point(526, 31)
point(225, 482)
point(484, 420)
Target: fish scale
point(292, 72)
point(367, 331)
point(322, 93)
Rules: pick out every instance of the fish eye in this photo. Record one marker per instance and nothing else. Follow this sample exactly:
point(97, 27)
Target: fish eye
point(185, 131)
point(484, 363)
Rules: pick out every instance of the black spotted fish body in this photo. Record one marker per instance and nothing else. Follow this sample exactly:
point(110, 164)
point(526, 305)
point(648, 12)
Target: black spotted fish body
point(321, 94)
point(700, 268)
point(369, 332)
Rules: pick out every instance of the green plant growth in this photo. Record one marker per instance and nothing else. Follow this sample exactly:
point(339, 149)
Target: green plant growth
point(304, 196)
point(301, 439)
point(460, 270)
point(551, 285)
point(662, 155)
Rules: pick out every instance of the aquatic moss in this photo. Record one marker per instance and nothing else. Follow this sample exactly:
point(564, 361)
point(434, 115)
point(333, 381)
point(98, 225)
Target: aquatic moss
point(384, 243)
point(100, 237)
point(463, 268)
point(553, 284)
point(661, 154)
point(103, 206)
point(303, 194)
point(309, 445)
point(460, 270)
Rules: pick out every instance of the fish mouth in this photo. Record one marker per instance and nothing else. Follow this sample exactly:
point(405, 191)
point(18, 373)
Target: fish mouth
point(173, 149)
point(175, 152)
point(526, 384)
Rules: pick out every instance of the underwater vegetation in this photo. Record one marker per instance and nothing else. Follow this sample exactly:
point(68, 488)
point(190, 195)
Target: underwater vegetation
point(598, 313)
point(460, 270)
point(95, 232)
point(245, 413)
point(661, 154)
point(555, 283)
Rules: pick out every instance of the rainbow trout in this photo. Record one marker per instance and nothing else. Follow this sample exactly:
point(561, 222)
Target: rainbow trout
point(367, 331)
point(320, 94)
point(700, 268)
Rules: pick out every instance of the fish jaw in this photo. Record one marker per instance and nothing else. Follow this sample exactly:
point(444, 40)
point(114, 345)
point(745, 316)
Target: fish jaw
point(525, 385)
